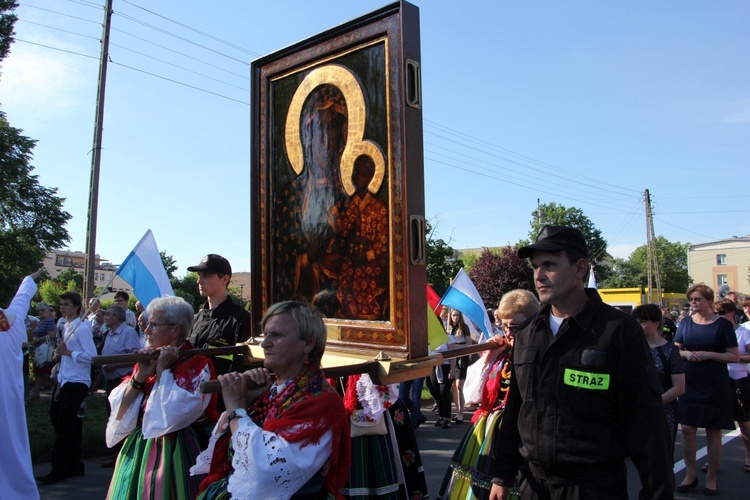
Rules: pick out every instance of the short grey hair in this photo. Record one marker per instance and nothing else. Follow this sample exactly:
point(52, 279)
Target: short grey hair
point(118, 311)
point(176, 311)
point(309, 321)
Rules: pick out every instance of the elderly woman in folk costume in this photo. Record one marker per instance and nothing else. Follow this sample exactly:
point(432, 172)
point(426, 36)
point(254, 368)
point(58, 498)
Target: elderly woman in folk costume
point(160, 412)
point(285, 433)
point(469, 475)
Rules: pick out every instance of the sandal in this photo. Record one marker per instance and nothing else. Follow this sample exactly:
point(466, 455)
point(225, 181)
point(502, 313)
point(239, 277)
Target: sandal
point(439, 422)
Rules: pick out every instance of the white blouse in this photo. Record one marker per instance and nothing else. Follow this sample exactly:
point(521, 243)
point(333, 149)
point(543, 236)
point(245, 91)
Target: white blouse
point(169, 408)
point(265, 465)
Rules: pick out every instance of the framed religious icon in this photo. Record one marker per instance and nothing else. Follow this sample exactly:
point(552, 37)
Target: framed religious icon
point(338, 182)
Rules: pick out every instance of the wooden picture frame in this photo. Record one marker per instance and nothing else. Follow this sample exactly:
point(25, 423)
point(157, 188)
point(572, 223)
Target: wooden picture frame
point(338, 183)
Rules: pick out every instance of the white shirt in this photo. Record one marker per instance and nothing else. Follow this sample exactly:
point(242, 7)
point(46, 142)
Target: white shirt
point(444, 348)
point(16, 473)
point(76, 368)
point(169, 408)
point(130, 318)
point(264, 464)
point(740, 370)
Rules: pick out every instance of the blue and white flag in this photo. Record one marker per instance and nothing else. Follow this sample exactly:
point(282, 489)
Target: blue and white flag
point(463, 295)
point(145, 272)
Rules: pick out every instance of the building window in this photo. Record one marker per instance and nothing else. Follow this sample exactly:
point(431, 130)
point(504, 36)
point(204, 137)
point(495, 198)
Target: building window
point(721, 279)
point(721, 259)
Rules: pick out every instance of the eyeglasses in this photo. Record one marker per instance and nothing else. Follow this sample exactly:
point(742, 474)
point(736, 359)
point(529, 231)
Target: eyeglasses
point(511, 328)
point(120, 300)
point(153, 325)
point(695, 299)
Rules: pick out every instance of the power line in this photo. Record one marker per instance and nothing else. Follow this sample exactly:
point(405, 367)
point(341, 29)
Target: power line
point(543, 179)
point(61, 14)
point(138, 70)
point(182, 54)
point(91, 5)
point(173, 35)
point(181, 67)
point(553, 168)
point(180, 83)
point(56, 48)
point(60, 29)
point(207, 35)
point(535, 189)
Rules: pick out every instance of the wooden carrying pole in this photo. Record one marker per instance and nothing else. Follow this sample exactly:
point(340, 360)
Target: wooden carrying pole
point(129, 359)
point(382, 371)
point(373, 367)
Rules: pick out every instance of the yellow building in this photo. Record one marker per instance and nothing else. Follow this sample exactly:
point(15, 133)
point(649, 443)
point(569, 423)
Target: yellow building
point(722, 262)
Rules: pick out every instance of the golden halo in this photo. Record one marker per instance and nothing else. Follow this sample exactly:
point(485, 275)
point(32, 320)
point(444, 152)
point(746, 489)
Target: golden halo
point(343, 79)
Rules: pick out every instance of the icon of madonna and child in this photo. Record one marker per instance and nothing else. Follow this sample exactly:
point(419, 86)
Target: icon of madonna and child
point(330, 221)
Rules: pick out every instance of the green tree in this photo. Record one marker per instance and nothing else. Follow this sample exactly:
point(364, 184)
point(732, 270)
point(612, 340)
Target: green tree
point(560, 215)
point(31, 215)
point(187, 288)
point(469, 260)
point(170, 265)
point(7, 19)
point(622, 274)
point(50, 292)
point(442, 267)
point(69, 279)
point(633, 272)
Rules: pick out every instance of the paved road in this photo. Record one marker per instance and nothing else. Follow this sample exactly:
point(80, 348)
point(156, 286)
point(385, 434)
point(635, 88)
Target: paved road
point(436, 447)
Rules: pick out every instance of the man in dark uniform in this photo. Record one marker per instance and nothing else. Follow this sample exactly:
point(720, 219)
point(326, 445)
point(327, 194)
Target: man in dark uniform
point(739, 314)
point(669, 329)
point(219, 322)
point(584, 394)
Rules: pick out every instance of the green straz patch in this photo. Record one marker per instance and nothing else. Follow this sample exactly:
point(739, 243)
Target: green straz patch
point(586, 380)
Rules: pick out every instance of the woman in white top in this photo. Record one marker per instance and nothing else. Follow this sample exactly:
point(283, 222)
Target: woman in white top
point(738, 374)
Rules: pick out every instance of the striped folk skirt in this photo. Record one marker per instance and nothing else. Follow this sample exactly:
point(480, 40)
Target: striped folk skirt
point(469, 475)
point(157, 468)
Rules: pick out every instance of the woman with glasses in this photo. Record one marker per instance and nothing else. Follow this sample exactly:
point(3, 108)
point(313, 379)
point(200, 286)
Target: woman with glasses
point(707, 343)
point(470, 472)
point(160, 411)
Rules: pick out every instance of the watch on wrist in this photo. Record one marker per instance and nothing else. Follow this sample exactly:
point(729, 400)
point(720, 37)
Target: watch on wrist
point(238, 413)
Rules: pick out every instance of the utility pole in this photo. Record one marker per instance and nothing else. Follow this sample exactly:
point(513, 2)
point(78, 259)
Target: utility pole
point(652, 256)
point(88, 274)
point(538, 214)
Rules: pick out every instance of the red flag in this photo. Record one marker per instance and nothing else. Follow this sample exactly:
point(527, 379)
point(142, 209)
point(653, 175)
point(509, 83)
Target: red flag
point(433, 299)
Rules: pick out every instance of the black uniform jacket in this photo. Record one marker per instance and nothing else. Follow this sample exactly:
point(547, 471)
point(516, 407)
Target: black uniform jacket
point(588, 396)
point(224, 325)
